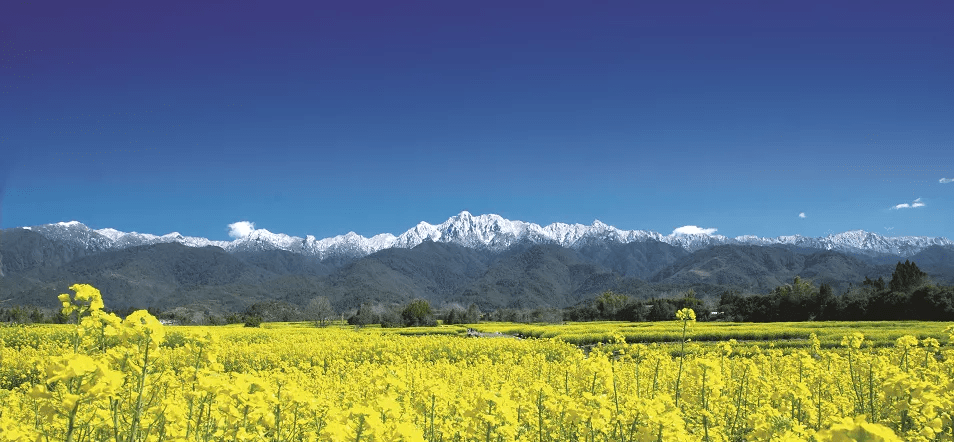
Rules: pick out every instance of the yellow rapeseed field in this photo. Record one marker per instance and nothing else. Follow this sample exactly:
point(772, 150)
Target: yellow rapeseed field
point(106, 379)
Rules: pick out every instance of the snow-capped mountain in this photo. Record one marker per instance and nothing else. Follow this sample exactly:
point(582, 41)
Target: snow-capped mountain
point(486, 232)
point(78, 235)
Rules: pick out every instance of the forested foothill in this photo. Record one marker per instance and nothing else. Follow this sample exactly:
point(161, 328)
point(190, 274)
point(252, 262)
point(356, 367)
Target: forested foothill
point(908, 295)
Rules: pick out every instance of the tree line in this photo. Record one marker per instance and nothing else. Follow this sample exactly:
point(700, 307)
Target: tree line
point(909, 295)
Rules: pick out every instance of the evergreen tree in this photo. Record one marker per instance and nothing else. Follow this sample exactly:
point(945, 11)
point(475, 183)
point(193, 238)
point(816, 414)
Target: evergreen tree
point(906, 277)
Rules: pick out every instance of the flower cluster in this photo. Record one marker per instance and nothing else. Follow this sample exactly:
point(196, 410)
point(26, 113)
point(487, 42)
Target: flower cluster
point(134, 380)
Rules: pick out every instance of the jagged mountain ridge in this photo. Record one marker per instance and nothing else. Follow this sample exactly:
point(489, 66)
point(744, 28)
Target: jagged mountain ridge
point(483, 232)
point(171, 275)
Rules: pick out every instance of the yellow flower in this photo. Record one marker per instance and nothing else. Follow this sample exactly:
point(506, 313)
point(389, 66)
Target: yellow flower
point(857, 429)
point(141, 323)
point(906, 342)
point(852, 341)
point(686, 314)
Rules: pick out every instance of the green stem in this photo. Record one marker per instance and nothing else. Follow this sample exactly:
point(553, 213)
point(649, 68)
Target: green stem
point(682, 358)
point(140, 387)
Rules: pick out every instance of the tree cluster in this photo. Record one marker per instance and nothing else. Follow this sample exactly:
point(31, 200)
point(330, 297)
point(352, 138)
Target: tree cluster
point(907, 296)
point(544, 314)
point(611, 306)
point(30, 315)
point(460, 316)
point(417, 313)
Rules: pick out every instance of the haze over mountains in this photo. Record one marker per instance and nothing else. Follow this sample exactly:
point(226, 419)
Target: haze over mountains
point(486, 259)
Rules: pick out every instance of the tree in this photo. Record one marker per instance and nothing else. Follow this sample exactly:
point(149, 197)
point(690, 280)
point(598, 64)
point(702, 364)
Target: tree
point(454, 316)
point(253, 321)
point(906, 277)
point(364, 316)
point(472, 316)
point(792, 300)
point(609, 303)
point(824, 303)
point(873, 285)
point(458, 316)
point(633, 311)
point(689, 300)
point(320, 311)
point(418, 313)
point(733, 306)
point(661, 310)
point(391, 317)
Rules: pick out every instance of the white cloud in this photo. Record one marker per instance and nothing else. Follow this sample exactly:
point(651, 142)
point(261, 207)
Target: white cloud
point(241, 229)
point(946, 180)
point(913, 204)
point(693, 230)
point(802, 215)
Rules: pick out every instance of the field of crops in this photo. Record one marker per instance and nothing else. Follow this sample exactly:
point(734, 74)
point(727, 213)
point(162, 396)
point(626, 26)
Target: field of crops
point(780, 334)
point(134, 379)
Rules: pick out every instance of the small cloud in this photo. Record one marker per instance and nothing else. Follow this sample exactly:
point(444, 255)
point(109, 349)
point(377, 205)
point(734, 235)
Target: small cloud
point(946, 180)
point(913, 204)
point(802, 215)
point(241, 229)
point(693, 230)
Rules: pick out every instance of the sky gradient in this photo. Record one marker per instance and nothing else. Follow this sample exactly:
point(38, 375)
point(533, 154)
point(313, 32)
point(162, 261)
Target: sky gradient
point(322, 118)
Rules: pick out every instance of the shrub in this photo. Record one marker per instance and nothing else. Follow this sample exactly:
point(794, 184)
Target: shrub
point(418, 313)
point(253, 321)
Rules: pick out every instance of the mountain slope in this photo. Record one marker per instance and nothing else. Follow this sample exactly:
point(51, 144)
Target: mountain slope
point(484, 232)
point(539, 276)
point(636, 259)
point(486, 259)
point(936, 261)
point(24, 249)
point(762, 268)
point(157, 275)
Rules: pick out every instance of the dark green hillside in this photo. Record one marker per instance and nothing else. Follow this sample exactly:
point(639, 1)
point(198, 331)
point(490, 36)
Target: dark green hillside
point(438, 269)
point(762, 268)
point(937, 262)
point(525, 276)
point(281, 262)
point(542, 275)
point(157, 275)
point(835, 269)
point(637, 259)
point(24, 249)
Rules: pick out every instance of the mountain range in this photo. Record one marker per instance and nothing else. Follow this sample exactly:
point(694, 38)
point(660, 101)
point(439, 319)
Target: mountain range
point(485, 259)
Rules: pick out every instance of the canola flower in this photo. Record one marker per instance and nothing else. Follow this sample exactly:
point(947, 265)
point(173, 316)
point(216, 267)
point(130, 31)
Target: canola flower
point(133, 379)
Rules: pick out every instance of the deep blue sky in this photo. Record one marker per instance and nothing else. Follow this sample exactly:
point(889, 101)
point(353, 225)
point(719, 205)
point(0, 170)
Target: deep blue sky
point(327, 117)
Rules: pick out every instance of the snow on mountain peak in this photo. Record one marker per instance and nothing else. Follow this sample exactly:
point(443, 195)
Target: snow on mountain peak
point(112, 234)
point(488, 231)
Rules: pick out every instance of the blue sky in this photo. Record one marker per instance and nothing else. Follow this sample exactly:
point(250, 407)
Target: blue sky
point(327, 117)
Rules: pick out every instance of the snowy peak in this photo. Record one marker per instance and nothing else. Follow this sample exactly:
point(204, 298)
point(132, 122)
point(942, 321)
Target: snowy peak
point(484, 232)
